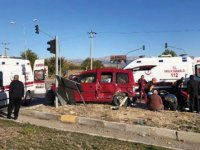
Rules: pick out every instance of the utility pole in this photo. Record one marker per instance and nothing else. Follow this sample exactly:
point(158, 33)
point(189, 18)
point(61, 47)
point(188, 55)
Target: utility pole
point(91, 46)
point(56, 55)
point(5, 48)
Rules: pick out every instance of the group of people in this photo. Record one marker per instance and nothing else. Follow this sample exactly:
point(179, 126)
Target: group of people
point(180, 99)
point(145, 88)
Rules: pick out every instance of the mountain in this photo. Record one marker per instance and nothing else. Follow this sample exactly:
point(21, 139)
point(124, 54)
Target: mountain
point(105, 60)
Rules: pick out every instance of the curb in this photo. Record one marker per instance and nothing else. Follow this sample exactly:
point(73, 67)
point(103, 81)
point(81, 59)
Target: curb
point(138, 129)
point(39, 115)
point(68, 118)
point(90, 121)
point(188, 136)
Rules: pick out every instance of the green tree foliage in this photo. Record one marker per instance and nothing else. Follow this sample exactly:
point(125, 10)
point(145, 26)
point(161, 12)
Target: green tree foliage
point(65, 65)
point(169, 52)
point(31, 56)
point(50, 62)
point(96, 64)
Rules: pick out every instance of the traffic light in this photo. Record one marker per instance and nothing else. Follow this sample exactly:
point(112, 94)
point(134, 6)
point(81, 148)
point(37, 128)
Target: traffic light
point(143, 47)
point(52, 46)
point(37, 29)
point(166, 45)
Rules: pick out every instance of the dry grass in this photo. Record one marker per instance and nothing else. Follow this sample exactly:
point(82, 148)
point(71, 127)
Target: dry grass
point(17, 136)
point(167, 119)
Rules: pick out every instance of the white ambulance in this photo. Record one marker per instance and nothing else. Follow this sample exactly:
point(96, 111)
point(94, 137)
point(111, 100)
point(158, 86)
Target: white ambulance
point(197, 68)
point(12, 66)
point(165, 69)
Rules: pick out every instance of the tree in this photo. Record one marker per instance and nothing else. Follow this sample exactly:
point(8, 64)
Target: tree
point(96, 64)
point(29, 55)
point(169, 52)
point(50, 62)
point(65, 65)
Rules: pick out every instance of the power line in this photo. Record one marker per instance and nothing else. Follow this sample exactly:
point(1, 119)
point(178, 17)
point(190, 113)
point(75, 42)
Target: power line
point(150, 32)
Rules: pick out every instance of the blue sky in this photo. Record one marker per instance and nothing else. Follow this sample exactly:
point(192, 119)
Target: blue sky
point(121, 26)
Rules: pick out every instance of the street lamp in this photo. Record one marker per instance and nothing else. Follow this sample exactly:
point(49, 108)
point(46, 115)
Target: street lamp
point(24, 34)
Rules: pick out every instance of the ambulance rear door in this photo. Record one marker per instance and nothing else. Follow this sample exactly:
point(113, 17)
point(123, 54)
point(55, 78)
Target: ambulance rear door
point(39, 76)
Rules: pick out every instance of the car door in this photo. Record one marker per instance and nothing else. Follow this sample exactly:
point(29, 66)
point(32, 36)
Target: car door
point(106, 86)
point(88, 84)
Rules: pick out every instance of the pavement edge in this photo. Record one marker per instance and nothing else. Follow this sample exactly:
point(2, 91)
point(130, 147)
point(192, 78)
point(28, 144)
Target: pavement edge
point(138, 129)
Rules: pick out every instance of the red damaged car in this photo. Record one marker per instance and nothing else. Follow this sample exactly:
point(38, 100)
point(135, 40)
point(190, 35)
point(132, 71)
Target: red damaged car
point(104, 85)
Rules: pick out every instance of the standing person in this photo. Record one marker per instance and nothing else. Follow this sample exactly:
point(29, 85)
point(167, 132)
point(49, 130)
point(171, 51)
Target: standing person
point(150, 86)
point(192, 89)
point(178, 92)
point(142, 86)
point(155, 102)
point(178, 85)
point(198, 99)
point(16, 93)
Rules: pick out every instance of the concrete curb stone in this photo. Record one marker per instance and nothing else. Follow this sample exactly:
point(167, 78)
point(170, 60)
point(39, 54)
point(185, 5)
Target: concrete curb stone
point(68, 118)
point(89, 121)
point(40, 115)
point(115, 125)
point(146, 130)
point(138, 129)
point(188, 136)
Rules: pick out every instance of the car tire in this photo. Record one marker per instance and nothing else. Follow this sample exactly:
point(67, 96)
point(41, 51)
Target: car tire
point(118, 98)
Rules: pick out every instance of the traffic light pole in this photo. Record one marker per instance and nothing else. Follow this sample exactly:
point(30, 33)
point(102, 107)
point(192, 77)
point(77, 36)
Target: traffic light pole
point(54, 48)
point(56, 66)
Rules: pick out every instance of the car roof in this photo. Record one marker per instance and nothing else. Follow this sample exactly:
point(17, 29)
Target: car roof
point(105, 70)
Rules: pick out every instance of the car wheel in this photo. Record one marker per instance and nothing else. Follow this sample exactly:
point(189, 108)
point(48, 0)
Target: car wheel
point(118, 98)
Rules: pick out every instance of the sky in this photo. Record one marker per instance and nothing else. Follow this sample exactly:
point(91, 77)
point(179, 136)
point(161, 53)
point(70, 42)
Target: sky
point(121, 26)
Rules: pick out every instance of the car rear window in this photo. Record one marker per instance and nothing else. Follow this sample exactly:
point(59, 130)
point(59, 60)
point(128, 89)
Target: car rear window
point(122, 78)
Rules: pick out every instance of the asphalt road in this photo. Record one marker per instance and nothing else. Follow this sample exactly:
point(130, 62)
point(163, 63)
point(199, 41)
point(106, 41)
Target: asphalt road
point(40, 98)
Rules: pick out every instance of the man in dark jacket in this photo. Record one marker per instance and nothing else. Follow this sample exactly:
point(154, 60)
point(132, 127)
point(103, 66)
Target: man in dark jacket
point(16, 93)
point(192, 89)
point(178, 92)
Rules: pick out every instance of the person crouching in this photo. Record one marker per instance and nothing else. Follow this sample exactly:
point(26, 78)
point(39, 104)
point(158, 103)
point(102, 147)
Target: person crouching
point(155, 102)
